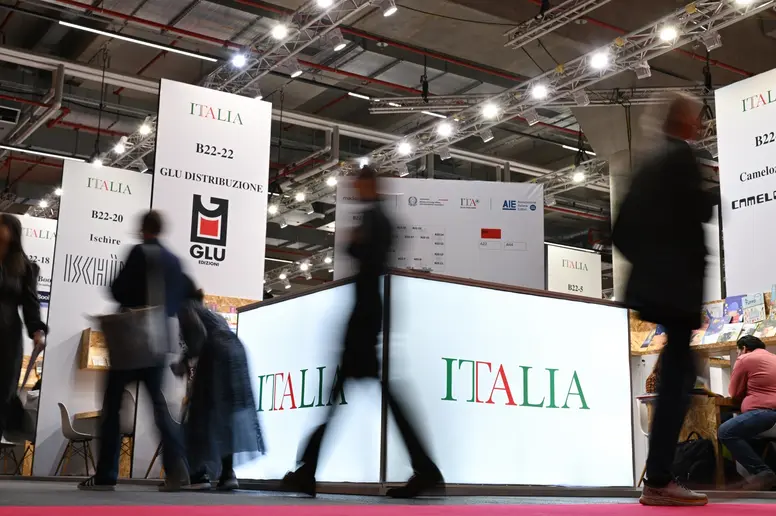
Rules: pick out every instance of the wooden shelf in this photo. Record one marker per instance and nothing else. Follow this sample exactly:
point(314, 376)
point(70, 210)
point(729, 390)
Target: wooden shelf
point(93, 354)
point(224, 304)
point(32, 380)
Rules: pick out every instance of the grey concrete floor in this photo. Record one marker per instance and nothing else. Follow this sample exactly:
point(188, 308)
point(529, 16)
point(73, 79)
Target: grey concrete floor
point(24, 493)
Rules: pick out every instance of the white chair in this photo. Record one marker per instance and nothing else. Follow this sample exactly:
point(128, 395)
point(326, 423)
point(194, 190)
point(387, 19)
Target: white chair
point(644, 426)
point(77, 442)
point(13, 440)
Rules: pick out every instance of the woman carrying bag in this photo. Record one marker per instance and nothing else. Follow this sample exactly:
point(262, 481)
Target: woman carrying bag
point(222, 420)
point(18, 288)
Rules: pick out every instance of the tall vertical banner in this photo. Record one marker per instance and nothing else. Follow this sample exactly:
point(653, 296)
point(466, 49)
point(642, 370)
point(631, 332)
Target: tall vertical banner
point(746, 138)
point(574, 271)
point(212, 170)
point(99, 217)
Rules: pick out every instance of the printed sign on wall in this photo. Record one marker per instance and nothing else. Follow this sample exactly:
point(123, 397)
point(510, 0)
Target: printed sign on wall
point(99, 217)
point(471, 229)
point(746, 111)
point(574, 271)
point(212, 166)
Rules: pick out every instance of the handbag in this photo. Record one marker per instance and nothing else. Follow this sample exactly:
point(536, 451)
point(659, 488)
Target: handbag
point(139, 338)
point(695, 462)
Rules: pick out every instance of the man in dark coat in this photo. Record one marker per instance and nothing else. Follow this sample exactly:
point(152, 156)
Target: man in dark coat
point(660, 231)
point(369, 246)
point(130, 290)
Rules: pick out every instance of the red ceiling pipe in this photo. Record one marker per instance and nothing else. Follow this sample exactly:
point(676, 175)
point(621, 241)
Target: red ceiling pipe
point(34, 162)
point(21, 100)
point(63, 113)
point(90, 129)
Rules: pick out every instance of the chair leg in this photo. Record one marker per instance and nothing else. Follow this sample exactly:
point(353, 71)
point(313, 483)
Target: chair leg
point(60, 466)
point(86, 457)
point(91, 456)
point(153, 460)
point(643, 474)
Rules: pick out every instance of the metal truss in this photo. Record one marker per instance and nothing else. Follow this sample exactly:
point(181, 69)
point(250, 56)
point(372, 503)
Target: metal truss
point(593, 172)
point(708, 138)
point(306, 25)
point(314, 263)
point(550, 21)
point(455, 103)
point(625, 53)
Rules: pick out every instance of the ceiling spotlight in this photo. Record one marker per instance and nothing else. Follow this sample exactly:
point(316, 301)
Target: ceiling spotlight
point(331, 181)
point(490, 110)
point(323, 4)
point(445, 129)
point(394, 104)
point(43, 203)
point(273, 209)
point(296, 73)
point(581, 98)
point(359, 95)
point(58, 192)
point(286, 284)
point(405, 149)
point(363, 162)
point(145, 129)
point(643, 71)
point(309, 210)
point(283, 276)
point(743, 3)
point(599, 60)
point(668, 33)
point(389, 8)
point(435, 115)
point(486, 135)
point(239, 60)
point(259, 97)
point(579, 175)
point(300, 197)
point(26, 214)
point(304, 266)
point(327, 260)
point(444, 153)
point(119, 148)
point(540, 92)
point(308, 276)
point(283, 223)
point(549, 200)
point(531, 116)
point(338, 42)
point(712, 40)
point(279, 31)
point(403, 170)
point(97, 162)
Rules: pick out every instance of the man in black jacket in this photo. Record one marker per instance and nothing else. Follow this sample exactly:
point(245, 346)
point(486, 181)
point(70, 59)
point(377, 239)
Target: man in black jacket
point(660, 231)
point(130, 290)
point(369, 246)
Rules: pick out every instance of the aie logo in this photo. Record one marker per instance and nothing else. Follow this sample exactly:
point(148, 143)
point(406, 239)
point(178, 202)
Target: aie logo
point(509, 206)
point(469, 203)
point(208, 231)
point(532, 207)
point(753, 200)
point(412, 201)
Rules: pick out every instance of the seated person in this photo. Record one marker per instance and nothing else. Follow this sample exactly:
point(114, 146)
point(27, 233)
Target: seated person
point(753, 383)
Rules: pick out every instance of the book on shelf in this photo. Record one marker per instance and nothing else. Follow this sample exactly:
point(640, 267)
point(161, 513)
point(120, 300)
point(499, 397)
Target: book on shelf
point(730, 332)
point(715, 329)
point(734, 309)
point(766, 330)
point(697, 337)
point(754, 308)
point(750, 329)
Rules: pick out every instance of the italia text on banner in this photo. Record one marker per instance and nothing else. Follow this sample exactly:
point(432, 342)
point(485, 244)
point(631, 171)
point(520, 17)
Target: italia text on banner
point(746, 138)
point(99, 219)
point(574, 271)
point(211, 174)
point(470, 229)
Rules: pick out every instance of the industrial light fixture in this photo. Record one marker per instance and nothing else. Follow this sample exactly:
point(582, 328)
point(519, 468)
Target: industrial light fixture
point(293, 65)
point(273, 209)
point(120, 147)
point(331, 181)
point(286, 284)
point(145, 128)
point(283, 223)
point(581, 98)
point(445, 129)
point(435, 115)
point(363, 162)
point(599, 60)
point(712, 40)
point(549, 200)
point(531, 116)
point(743, 3)
point(304, 266)
point(296, 73)
point(327, 260)
point(540, 92)
point(444, 153)
point(577, 149)
point(668, 33)
point(44, 154)
point(394, 104)
point(403, 170)
point(143, 168)
point(389, 8)
point(359, 95)
point(324, 4)
point(300, 197)
point(43, 203)
point(643, 70)
point(486, 135)
point(96, 162)
point(309, 209)
point(338, 41)
point(405, 148)
point(490, 110)
point(239, 60)
point(579, 175)
point(279, 31)
point(308, 276)
point(283, 276)
point(58, 192)
point(143, 42)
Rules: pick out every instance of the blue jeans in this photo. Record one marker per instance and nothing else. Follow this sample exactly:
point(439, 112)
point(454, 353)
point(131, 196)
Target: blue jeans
point(735, 433)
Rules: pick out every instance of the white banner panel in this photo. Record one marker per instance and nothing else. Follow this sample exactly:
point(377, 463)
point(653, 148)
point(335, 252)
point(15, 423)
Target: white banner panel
point(99, 217)
point(574, 271)
point(504, 398)
point(470, 229)
point(293, 367)
point(211, 174)
point(746, 138)
point(38, 238)
point(712, 289)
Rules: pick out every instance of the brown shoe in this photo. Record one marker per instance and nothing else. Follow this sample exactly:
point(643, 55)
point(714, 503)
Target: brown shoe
point(764, 481)
point(674, 495)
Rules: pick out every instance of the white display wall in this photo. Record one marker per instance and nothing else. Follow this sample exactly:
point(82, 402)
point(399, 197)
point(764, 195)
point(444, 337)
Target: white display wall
point(471, 229)
point(293, 367)
point(574, 271)
point(99, 217)
point(747, 153)
point(504, 398)
point(712, 289)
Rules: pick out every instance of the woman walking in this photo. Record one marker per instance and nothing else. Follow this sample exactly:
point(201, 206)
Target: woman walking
point(221, 420)
point(18, 288)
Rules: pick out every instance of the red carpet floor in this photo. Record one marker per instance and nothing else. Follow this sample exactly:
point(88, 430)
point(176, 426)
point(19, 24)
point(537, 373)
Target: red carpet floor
point(396, 510)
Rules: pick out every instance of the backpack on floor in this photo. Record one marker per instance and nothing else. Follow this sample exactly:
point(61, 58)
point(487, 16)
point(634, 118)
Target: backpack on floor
point(695, 462)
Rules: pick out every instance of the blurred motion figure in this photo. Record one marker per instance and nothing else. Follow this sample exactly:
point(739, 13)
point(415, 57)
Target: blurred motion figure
point(369, 246)
point(660, 231)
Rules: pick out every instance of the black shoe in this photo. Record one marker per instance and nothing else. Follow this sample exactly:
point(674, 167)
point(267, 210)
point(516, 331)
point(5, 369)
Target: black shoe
point(431, 483)
point(228, 482)
point(95, 484)
point(299, 481)
point(199, 483)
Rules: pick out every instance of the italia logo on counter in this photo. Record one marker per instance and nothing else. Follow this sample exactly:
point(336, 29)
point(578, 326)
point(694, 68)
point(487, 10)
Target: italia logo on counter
point(208, 230)
point(104, 185)
point(215, 113)
point(300, 390)
point(538, 388)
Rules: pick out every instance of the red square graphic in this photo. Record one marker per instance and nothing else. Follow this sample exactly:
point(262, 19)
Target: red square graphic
point(490, 234)
point(210, 227)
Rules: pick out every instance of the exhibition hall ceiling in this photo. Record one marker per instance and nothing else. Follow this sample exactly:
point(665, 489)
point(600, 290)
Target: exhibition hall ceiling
point(458, 45)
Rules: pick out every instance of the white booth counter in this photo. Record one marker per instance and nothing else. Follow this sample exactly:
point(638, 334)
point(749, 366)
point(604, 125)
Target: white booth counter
point(509, 386)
